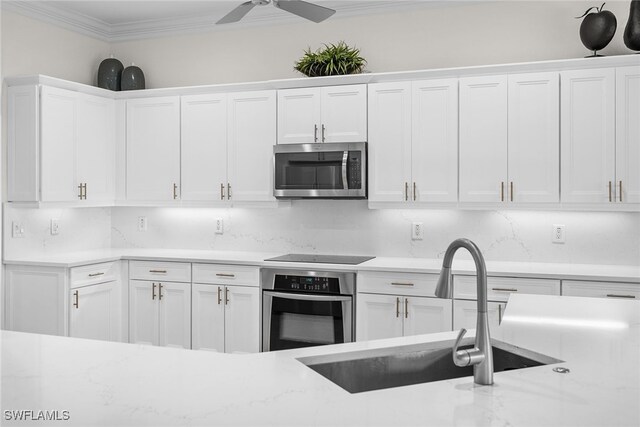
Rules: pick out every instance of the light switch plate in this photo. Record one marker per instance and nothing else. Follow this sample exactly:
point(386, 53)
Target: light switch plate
point(219, 226)
point(417, 231)
point(142, 223)
point(17, 230)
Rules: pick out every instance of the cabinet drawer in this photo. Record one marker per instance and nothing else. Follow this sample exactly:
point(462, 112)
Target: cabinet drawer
point(160, 271)
point(499, 288)
point(226, 274)
point(417, 284)
point(578, 288)
point(94, 274)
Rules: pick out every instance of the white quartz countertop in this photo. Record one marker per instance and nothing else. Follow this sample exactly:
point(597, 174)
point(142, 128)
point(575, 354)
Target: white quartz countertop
point(106, 383)
point(615, 273)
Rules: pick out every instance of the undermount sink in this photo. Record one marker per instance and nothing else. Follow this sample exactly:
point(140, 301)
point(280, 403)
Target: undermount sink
point(377, 369)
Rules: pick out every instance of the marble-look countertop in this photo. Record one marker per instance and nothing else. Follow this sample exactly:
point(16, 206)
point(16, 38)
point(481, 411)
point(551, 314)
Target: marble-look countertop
point(106, 383)
point(615, 273)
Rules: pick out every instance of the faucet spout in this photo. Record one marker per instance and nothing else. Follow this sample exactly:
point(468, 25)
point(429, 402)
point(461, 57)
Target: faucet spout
point(481, 356)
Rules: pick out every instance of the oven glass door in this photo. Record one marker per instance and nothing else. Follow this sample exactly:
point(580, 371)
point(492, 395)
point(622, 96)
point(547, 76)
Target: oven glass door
point(292, 320)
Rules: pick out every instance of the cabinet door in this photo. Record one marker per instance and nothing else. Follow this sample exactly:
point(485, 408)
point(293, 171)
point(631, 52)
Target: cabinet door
point(23, 143)
point(426, 315)
point(96, 147)
point(344, 113)
point(483, 139)
point(587, 135)
point(143, 312)
point(242, 319)
point(174, 300)
point(389, 141)
point(207, 321)
point(153, 148)
point(93, 312)
point(628, 134)
point(299, 116)
point(534, 138)
point(434, 145)
point(378, 316)
point(252, 135)
point(465, 314)
point(582, 288)
point(204, 147)
point(58, 138)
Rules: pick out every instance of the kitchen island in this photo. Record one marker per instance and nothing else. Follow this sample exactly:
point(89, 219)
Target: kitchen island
point(107, 383)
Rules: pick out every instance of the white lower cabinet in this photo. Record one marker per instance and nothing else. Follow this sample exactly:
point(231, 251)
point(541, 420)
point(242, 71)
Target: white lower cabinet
point(226, 318)
point(93, 312)
point(160, 313)
point(389, 316)
point(584, 288)
point(465, 314)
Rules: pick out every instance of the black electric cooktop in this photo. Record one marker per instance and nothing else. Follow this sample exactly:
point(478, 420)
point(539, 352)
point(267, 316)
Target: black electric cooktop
point(322, 259)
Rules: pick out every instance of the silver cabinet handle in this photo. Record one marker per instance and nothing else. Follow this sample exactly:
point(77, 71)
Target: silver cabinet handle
point(610, 191)
point(620, 197)
point(85, 191)
point(219, 295)
point(96, 274)
point(406, 191)
point(502, 191)
point(499, 314)
point(401, 284)
point(226, 295)
point(315, 133)
point(80, 191)
point(620, 296)
point(159, 291)
point(511, 187)
point(414, 191)
point(323, 129)
point(345, 157)
point(225, 275)
point(158, 271)
point(175, 191)
point(406, 308)
point(221, 191)
point(397, 306)
point(153, 291)
point(504, 289)
point(228, 191)
point(76, 304)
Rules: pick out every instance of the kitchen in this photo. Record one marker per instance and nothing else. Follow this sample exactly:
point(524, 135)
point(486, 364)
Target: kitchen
point(403, 222)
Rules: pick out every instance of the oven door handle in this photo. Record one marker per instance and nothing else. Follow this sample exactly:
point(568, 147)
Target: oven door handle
point(345, 157)
point(308, 297)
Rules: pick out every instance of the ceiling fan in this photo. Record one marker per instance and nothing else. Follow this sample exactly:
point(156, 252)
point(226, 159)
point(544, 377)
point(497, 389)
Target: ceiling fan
point(306, 10)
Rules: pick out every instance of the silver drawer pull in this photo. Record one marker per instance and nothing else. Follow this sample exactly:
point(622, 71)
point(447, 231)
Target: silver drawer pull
point(620, 296)
point(225, 275)
point(96, 274)
point(504, 289)
point(158, 271)
point(401, 284)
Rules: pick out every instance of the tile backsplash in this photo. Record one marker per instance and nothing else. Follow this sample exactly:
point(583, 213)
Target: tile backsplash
point(346, 227)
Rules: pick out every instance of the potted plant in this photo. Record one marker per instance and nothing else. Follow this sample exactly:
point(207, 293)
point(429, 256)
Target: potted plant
point(332, 60)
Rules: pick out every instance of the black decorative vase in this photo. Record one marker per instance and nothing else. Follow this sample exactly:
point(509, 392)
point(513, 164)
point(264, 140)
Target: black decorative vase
point(109, 73)
point(597, 29)
point(632, 30)
point(132, 78)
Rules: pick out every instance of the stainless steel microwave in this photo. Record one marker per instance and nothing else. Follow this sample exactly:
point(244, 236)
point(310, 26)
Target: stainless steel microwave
point(320, 171)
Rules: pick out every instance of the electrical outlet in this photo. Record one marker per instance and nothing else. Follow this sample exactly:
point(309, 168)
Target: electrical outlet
point(558, 233)
point(55, 227)
point(17, 230)
point(142, 223)
point(417, 231)
point(219, 226)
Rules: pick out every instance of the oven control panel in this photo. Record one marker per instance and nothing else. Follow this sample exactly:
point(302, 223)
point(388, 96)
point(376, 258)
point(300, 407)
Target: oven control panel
point(325, 285)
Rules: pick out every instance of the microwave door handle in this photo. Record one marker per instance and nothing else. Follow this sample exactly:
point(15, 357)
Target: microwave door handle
point(345, 157)
point(308, 297)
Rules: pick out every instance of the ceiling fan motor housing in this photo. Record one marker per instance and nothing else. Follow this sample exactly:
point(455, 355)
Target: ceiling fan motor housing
point(260, 2)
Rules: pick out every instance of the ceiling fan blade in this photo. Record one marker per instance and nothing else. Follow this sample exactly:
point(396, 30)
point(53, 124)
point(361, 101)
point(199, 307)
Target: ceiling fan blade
point(236, 14)
point(309, 11)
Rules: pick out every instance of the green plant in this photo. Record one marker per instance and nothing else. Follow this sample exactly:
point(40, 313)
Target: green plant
point(333, 60)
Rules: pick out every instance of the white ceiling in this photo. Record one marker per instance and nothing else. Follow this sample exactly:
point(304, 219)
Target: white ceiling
point(118, 20)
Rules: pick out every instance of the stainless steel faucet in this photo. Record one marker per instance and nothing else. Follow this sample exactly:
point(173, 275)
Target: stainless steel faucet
point(481, 356)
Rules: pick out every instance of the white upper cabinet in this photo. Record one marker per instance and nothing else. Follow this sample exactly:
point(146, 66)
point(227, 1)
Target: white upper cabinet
point(95, 150)
point(153, 149)
point(534, 138)
point(59, 138)
point(588, 135)
point(327, 114)
point(434, 147)
point(23, 154)
point(389, 141)
point(204, 147)
point(628, 135)
point(251, 137)
point(483, 139)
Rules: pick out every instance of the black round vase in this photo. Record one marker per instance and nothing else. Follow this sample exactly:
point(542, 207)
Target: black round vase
point(597, 30)
point(109, 73)
point(132, 78)
point(632, 30)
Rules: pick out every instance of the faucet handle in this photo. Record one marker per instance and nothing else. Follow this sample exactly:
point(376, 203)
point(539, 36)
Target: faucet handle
point(460, 357)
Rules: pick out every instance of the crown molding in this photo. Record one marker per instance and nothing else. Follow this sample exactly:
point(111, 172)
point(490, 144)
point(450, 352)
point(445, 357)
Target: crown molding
point(111, 33)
